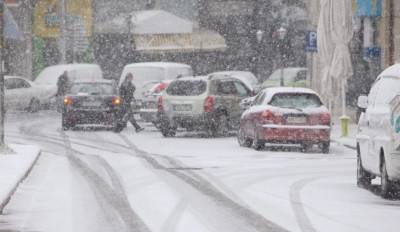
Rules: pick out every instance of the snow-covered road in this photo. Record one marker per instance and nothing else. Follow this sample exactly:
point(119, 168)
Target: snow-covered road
point(101, 181)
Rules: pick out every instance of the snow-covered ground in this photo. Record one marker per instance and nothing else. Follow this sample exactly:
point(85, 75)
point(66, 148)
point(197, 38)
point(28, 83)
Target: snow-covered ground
point(101, 181)
point(15, 164)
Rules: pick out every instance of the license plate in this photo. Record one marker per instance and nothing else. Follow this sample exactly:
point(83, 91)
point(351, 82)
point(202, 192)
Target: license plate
point(296, 120)
point(91, 104)
point(182, 107)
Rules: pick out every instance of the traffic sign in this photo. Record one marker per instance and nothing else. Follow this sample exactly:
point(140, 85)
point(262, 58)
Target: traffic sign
point(311, 41)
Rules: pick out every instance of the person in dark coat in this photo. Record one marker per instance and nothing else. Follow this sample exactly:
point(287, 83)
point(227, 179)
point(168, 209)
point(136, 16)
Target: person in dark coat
point(126, 92)
point(63, 84)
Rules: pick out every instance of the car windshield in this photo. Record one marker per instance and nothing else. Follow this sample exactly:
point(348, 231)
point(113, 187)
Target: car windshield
point(187, 88)
point(295, 100)
point(92, 89)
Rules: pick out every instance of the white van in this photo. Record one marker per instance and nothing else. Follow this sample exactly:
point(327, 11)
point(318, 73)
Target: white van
point(376, 146)
point(146, 73)
point(49, 75)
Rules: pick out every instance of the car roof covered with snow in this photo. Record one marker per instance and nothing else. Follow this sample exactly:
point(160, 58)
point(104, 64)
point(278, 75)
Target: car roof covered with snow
point(194, 78)
point(50, 74)
point(158, 64)
point(246, 77)
point(103, 81)
point(393, 71)
point(274, 90)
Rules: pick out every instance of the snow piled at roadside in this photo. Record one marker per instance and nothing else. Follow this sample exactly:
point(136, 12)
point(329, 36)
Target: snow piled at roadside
point(14, 167)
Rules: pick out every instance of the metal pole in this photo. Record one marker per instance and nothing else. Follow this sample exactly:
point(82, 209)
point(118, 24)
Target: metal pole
point(282, 65)
point(2, 46)
point(62, 40)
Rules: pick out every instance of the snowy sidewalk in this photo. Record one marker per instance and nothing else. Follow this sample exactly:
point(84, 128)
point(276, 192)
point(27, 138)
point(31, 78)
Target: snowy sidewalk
point(350, 140)
point(14, 168)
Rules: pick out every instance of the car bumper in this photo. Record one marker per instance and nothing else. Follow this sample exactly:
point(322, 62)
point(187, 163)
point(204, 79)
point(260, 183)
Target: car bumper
point(91, 116)
point(294, 134)
point(148, 115)
point(199, 121)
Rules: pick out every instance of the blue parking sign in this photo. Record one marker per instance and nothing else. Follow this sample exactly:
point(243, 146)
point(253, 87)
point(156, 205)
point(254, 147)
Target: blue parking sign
point(311, 41)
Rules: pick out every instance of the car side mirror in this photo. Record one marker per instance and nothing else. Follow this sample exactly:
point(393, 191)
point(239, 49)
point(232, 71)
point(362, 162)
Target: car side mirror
point(246, 103)
point(362, 102)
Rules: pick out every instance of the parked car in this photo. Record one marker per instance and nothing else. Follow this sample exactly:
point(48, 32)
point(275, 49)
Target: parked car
point(209, 103)
point(292, 77)
point(248, 78)
point(376, 151)
point(286, 115)
point(49, 76)
point(145, 73)
point(23, 94)
point(91, 102)
point(148, 111)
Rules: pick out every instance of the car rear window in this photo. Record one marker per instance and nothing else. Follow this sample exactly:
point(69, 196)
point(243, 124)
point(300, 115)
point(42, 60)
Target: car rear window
point(295, 100)
point(93, 89)
point(187, 88)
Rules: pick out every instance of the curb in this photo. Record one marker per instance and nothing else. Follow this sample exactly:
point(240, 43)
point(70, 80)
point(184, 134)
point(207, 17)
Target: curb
point(345, 145)
point(4, 203)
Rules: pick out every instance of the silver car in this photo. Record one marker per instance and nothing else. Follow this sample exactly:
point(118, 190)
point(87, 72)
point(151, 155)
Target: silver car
point(207, 103)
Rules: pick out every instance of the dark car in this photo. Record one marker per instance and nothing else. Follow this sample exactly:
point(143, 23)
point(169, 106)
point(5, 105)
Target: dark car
point(91, 102)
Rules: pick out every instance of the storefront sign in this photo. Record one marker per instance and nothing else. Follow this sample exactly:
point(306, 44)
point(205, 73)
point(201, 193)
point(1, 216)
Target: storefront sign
point(368, 8)
point(47, 20)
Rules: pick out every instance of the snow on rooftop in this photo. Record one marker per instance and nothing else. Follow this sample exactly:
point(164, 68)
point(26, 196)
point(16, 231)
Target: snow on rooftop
point(147, 22)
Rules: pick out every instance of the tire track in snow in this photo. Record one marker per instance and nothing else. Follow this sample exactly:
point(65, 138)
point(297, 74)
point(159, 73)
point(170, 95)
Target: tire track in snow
point(106, 195)
point(241, 215)
point(113, 196)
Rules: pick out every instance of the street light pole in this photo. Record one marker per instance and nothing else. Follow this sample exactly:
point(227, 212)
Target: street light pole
point(62, 39)
point(281, 35)
point(2, 49)
point(259, 37)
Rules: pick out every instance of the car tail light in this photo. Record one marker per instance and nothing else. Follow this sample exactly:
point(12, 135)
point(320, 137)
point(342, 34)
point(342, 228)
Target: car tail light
point(209, 104)
point(325, 118)
point(160, 87)
point(160, 107)
point(267, 117)
point(116, 101)
point(67, 101)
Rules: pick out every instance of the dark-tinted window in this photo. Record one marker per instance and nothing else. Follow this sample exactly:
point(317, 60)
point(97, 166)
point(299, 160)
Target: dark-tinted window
point(187, 88)
point(93, 89)
point(15, 83)
point(241, 90)
point(226, 88)
point(295, 100)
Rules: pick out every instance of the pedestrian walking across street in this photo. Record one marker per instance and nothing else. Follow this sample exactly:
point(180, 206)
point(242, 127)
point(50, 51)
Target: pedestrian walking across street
point(127, 91)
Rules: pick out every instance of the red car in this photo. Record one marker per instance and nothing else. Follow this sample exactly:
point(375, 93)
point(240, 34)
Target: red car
point(286, 115)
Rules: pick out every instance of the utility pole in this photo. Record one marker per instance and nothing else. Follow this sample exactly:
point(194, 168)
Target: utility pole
point(62, 36)
point(2, 49)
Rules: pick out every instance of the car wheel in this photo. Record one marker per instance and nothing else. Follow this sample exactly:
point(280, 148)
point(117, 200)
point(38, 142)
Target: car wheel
point(306, 147)
point(325, 147)
point(242, 140)
point(223, 125)
point(363, 177)
point(168, 131)
point(65, 124)
point(34, 105)
point(257, 143)
point(387, 186)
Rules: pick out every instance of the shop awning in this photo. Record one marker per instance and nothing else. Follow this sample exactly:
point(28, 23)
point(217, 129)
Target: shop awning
point(196, 41)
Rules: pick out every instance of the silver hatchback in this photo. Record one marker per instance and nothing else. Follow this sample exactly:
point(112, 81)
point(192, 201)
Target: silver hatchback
point(207, 103)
